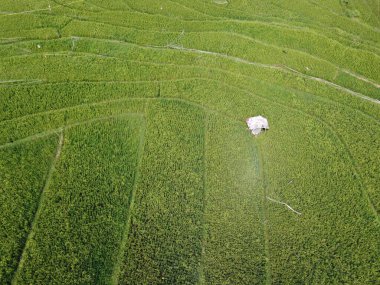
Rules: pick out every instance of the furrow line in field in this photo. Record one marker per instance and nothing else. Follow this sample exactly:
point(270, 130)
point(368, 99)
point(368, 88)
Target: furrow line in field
point(31, 138)
point(41, 200)
point(357, 173)
point(117, 270)
point(360, 77)
point(59, 29)
point(9, 41)
point(201, 273)
point(24, 40)
point(268, 279)
point(20, 81)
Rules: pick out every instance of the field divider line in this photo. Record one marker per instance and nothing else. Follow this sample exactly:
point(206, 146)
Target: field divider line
point(118, 270)
point(41, 200)
point(201, 273)
point(268, 273)
point(282, 203)
point(360, 77)
point(21, 81)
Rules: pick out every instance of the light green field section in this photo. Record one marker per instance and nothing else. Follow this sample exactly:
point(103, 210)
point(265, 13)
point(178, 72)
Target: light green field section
point(131, 116)
point(234, 235)
point(164, 244)
point(335, 239)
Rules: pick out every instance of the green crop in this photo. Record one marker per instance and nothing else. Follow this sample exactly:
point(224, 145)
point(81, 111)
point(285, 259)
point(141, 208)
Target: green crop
point(23, 172)
point(125, 157)
point(85, 209)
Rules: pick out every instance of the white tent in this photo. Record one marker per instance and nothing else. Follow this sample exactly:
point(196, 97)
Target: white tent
point(257, 124)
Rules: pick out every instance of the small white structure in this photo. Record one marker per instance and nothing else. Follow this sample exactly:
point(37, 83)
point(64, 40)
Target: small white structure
point(257, 124)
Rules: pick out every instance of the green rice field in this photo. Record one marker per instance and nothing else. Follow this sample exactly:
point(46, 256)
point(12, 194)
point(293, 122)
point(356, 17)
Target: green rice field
point(125, 157)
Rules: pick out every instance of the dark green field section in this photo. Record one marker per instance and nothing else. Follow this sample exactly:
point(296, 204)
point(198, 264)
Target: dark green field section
point(23, 173)
point(165, 239)
point(125, 157)
point(84, 213)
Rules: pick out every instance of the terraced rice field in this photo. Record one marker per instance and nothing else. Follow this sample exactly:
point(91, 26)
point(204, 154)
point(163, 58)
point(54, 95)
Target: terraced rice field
point(125, 157)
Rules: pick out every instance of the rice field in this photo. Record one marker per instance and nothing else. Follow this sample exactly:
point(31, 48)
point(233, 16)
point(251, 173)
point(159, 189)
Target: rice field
point(125, 157)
